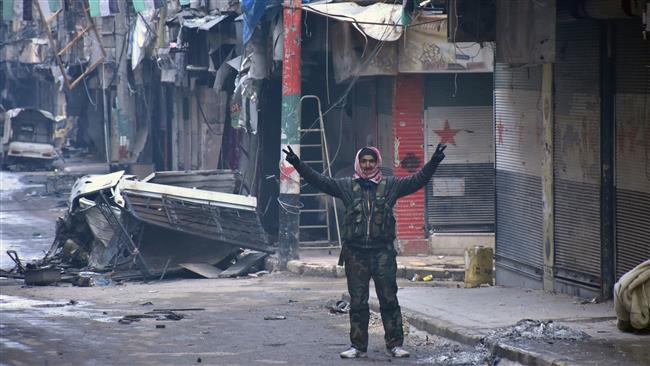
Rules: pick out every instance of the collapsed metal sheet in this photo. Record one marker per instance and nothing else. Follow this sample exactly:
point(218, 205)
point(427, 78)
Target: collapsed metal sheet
point(89, 184)
point(103, 250)
point(223, 223)
point(204, 23)
point(380, 21)
point(223, 180)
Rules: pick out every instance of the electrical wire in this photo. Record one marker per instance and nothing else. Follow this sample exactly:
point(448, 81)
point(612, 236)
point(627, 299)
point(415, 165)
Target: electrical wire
point(94, 103)
point(327, 59)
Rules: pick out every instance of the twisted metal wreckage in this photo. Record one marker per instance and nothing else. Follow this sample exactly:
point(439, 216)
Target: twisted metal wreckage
point(130, 229)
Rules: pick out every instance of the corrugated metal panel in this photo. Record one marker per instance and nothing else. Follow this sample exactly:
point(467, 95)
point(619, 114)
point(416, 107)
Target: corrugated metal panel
point(460, 197)
point(519, 222)
point(409, 154)
point(632, 58)
point(632, 147)
point(518, 135)
point(577, 154)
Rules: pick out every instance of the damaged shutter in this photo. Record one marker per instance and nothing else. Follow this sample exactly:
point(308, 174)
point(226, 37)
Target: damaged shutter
point(577, 155)
point(632, 147)
point(459, 113)
point(518, 137)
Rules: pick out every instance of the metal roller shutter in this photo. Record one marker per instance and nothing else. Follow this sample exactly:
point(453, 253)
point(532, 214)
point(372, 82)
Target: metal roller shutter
point(459, 113)
point(577, 155)
point(632, 147)
point(518, 137)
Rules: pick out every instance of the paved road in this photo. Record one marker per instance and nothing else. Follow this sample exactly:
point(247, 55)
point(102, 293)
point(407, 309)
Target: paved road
point(27, 215)
point(42, 326)
point(232, 329)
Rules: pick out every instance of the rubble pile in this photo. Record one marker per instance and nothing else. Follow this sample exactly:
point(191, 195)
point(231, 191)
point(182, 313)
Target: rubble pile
point(538, 330)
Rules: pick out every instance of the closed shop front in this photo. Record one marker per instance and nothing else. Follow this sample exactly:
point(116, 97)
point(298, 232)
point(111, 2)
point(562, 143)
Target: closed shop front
point(577, 158)
point(632, 161)
point(459, 113)
point(518, 139)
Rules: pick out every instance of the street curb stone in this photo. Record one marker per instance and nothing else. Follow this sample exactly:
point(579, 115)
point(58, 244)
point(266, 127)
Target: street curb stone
point(334, 271)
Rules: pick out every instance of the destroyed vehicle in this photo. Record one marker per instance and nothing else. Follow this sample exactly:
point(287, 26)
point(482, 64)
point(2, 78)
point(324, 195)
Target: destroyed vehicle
point(27, 138)
point(119, 224)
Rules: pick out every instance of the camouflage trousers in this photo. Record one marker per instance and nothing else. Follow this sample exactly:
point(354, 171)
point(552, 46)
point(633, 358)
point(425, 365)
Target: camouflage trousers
point(379, 264)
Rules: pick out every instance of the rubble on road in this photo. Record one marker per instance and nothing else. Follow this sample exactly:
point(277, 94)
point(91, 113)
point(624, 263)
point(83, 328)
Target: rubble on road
point(119, 228)
point(338, 307)
point(538, 330)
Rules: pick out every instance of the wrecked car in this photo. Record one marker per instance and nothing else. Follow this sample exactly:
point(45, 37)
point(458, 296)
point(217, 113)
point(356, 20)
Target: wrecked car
point(139, 229)
point(27, 138)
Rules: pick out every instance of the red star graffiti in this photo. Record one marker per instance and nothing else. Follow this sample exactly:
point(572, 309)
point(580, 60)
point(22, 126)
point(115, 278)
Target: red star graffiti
point(286, 171)
point(447, 134)
point(500, 128)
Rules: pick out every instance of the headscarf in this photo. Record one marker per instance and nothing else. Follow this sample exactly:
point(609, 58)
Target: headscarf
point(375, 175)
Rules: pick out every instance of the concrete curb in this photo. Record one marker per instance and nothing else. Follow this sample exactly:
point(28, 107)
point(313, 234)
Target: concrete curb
point(526, 357)
point(304, 268)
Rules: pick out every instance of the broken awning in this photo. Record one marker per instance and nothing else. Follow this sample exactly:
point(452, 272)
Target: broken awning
point(380, 21)
point(206, 23)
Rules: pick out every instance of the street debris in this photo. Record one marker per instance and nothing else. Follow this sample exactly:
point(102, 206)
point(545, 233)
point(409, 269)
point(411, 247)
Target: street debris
point(154, 314)
point(454, 356)
point(56, 305)
point(258, 274)
point(417, 277)
point(118, 228)
point(202, 269)
point(338, 307)
point(33, 275)
point(538, 330)
point(275, 317)
point(594, 300)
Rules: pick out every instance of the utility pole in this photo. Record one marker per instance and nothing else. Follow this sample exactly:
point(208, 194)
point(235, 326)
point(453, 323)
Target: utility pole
point(289, 216)
point(123, 125)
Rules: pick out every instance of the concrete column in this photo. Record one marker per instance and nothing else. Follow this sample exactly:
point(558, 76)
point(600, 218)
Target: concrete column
point(548, 177)
point(607, 160)
point(289, 215)
point(124, 111)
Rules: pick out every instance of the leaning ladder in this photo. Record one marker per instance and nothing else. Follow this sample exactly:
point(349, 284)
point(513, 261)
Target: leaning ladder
point(319, 147)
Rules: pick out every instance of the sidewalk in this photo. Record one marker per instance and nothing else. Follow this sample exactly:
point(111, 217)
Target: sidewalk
point(579, 332)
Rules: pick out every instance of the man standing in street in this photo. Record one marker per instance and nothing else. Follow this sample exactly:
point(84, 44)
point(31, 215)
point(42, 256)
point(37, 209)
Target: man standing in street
point(368, 233)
